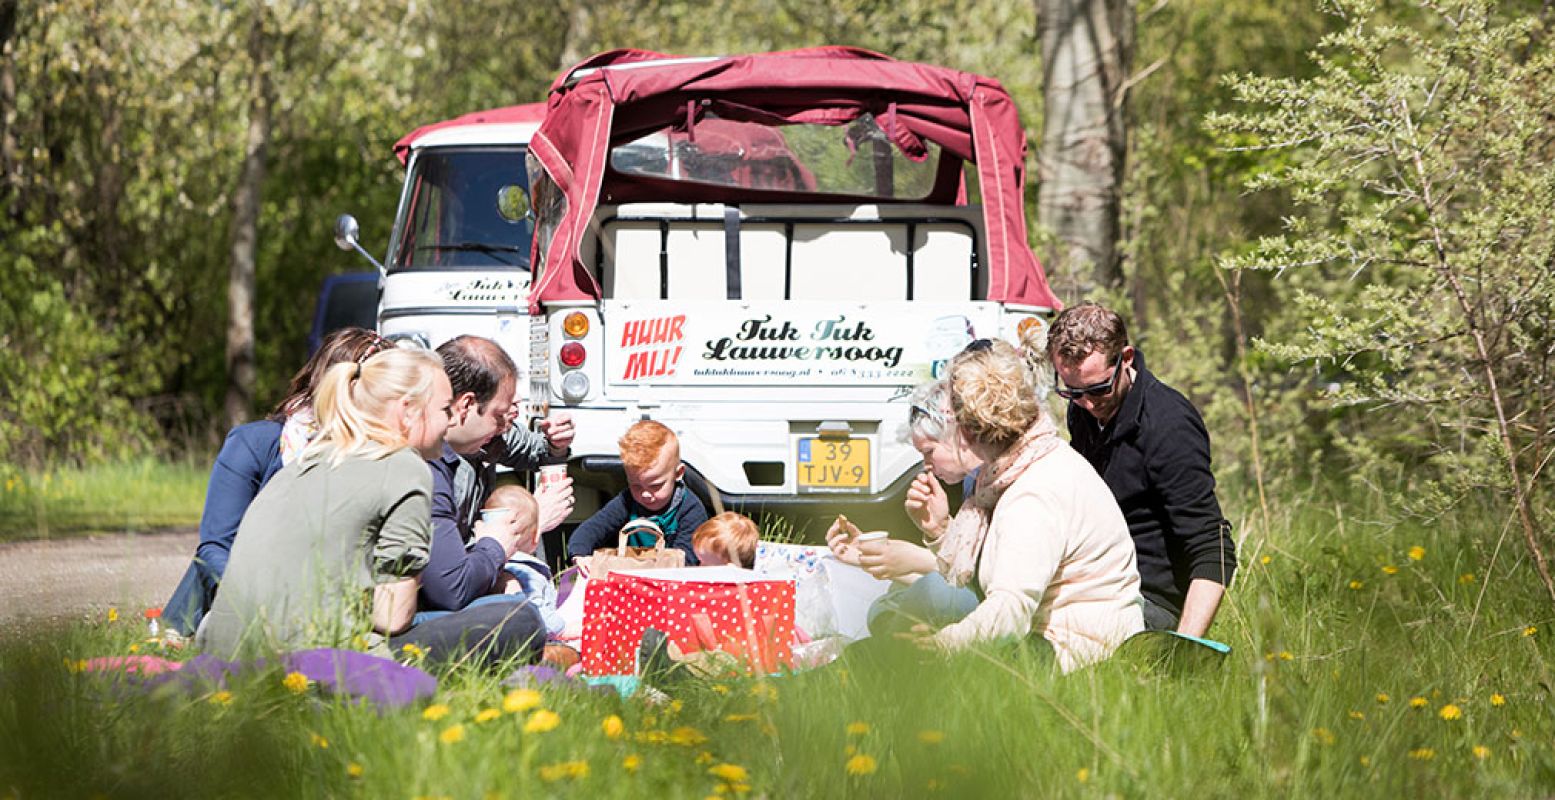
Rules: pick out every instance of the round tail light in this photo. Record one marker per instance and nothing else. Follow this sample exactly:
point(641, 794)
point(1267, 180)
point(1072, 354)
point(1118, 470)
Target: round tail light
point(572, 355)
point(576, 324)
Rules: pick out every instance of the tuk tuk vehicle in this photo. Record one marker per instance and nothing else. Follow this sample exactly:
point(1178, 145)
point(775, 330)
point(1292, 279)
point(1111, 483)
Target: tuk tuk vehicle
point(766, 253)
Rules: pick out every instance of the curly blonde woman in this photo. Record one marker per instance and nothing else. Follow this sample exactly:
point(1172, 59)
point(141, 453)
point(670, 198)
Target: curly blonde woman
point(1040, 540)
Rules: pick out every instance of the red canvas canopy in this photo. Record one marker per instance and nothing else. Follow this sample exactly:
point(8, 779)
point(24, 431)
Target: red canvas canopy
point(528, 112)
point(617, 97)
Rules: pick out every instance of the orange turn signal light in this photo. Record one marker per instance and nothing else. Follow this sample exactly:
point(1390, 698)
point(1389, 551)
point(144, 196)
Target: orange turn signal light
point(575, 324)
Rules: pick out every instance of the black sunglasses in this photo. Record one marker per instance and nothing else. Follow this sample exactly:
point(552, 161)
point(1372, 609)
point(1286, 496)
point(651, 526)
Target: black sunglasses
point(1094, 390)
point(978, 345)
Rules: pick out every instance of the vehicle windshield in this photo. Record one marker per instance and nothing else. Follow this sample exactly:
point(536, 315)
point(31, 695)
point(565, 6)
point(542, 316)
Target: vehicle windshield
point(466, 208)
point(859, 159)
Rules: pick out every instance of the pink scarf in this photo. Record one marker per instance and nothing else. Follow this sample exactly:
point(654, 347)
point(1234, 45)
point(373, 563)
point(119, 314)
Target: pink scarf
point(958, 550)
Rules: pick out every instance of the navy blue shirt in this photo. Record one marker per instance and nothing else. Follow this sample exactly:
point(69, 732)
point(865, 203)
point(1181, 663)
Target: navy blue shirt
point(679, 519)
point(458, 570)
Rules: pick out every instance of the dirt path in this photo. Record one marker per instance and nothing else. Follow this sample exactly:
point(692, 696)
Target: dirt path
point(61, 578)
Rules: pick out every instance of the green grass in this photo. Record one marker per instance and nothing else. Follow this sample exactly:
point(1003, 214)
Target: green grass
point(1386, 689)
point(134, 496)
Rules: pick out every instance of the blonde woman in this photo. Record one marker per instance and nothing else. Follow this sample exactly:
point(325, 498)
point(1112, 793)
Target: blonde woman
point(1040, 540)
point(330, 549)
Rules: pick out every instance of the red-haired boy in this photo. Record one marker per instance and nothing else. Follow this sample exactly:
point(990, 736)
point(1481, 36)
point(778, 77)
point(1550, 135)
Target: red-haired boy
point(650, 455)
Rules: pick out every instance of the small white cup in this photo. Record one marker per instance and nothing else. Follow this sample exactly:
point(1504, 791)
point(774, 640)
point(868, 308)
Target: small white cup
point(496, 516)
point(552, 473)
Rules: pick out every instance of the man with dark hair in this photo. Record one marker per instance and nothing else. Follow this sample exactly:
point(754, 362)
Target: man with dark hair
point(1150, 446)
point(467, 552)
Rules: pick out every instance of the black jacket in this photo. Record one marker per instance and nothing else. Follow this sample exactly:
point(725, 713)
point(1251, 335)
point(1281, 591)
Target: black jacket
point(1155, 459)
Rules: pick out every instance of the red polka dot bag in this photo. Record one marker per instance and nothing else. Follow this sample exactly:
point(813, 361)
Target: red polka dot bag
point(744, 619)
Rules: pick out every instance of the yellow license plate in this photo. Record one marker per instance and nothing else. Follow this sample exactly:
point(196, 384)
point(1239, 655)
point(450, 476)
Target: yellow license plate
point(832, 465)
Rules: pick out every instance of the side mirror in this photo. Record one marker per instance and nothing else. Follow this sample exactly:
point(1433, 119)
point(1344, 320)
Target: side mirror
point(348, 238)
point(347, 232)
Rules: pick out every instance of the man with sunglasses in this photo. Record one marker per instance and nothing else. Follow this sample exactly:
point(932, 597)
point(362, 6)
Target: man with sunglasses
point(1150, 445)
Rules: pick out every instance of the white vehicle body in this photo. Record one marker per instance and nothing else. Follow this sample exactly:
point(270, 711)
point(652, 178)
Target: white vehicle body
point(458, 255)
point(795, 394)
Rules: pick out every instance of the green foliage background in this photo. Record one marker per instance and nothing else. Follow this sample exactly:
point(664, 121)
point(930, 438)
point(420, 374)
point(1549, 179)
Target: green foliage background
point(123, 132)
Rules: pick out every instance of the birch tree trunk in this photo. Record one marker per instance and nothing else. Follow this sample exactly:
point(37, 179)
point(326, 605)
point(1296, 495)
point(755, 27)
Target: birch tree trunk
point(245, 230)
point(1087, 47)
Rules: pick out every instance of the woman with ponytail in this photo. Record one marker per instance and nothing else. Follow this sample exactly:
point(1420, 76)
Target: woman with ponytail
point(346, 521)
point(251, 455)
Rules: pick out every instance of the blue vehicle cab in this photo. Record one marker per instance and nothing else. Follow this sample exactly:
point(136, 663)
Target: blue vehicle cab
point(344, 300)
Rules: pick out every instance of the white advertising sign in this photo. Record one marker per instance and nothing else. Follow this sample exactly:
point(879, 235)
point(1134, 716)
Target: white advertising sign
point(668, 343)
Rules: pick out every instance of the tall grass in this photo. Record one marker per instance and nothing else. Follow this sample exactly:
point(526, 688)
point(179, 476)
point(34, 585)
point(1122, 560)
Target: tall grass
point(1362, 667)
point(128, 496)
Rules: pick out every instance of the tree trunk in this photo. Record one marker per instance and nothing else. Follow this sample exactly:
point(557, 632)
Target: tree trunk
point(245, 231)
point(576, 35)
point(10, 168)
point(1087, 47)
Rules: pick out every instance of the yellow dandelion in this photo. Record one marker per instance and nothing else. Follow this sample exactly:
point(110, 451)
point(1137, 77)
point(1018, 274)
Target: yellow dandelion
point(575, 770)
point(1357, 584)
point(487, 715)
point(1481, 752)
point(861, 764)
point(740, 788)
point(1286, 656)
point(1450, 712)
point(1324, 736)
point(686, 736)
point(453, 734)
point(704, 757)
point(134, 648)
point(1389, 569)
point(221, 698)
point(1422, 754)
point(673, 708)
point(720, 688)
point(1497, 700)
point(858, 728)
point(632, 762)
point(355, 770)
point(1417, 702)
point(296, 682)
point(1265, 560)
point(1084, 774)
point(612, 727)
point(113, 614)
point(435, 712)
point(1357, 715)
point(1382, 698)
point(931, 736)
point(1416, 553)
point(542, 721)
point(1466, 578)
point(520, 700)
point(1530, 630)
point(1365, 761)
point(740, 718)
point(849, 750)
point(413, 650)
point(729, 773)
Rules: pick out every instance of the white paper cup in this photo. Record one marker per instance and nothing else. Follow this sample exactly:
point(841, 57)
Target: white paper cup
point(496, 516)
point(552, 473)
